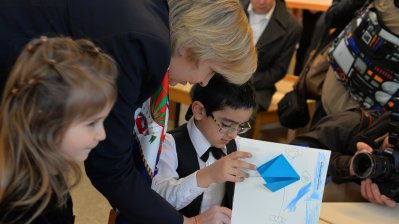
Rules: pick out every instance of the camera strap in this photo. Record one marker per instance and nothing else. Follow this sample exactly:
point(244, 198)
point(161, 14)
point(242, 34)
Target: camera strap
point(373, 126)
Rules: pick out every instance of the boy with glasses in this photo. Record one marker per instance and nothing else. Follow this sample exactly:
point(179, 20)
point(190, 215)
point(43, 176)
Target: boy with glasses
point(193, 166)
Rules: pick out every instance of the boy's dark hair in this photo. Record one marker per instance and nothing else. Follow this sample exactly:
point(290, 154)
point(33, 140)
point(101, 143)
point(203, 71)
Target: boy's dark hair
point(220, 93)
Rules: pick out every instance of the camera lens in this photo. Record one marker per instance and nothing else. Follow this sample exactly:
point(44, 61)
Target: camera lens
point(363, 165)
point(367, 165)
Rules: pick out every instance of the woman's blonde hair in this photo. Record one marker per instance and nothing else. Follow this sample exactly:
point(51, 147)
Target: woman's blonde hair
point(54, 82)
point(214, 30)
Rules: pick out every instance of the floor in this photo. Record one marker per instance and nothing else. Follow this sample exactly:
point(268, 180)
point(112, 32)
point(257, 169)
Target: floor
point(89, 206)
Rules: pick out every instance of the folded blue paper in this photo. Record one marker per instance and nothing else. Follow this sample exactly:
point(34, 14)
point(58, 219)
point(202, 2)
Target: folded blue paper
point(278, 173)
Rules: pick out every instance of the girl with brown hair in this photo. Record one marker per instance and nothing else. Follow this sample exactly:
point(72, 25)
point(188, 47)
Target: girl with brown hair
point(51, 115)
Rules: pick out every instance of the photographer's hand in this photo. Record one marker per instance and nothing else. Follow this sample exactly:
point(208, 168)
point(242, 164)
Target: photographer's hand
point(385, 144)
point(370, 191)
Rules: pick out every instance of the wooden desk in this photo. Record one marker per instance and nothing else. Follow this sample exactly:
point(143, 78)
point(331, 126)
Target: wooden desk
point(357, 213)
point(319, 5)
point(180, 93)
point(323, 222)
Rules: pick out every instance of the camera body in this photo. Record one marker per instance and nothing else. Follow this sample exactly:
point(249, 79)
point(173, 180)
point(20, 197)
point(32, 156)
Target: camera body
point(382, 166)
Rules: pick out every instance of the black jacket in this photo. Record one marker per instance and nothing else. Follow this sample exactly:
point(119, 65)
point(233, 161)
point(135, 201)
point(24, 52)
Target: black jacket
point(136, 34)
point(275, 48)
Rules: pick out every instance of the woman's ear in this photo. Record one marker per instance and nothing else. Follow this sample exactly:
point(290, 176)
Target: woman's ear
point(181, 51)
point(184, 51)
point(198, 109)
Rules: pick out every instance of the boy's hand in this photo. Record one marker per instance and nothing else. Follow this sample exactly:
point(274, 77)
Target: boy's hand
point(228, 168)
point(216, 214)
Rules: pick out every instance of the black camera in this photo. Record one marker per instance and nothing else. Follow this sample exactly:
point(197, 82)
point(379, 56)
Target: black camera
point(382, 166)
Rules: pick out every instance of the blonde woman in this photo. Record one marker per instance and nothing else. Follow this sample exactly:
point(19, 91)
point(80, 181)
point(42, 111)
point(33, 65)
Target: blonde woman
point(214, 32)
point(54, 104)
point(201, 38)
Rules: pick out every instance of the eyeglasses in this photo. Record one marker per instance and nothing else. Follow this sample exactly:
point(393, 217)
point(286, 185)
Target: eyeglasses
point(239, 129)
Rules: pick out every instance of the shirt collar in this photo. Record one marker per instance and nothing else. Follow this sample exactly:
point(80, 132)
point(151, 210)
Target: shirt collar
point(266, 16)
point(199, 141)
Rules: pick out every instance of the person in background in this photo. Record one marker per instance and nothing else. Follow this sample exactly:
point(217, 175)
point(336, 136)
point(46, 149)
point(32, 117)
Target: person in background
point(202, 37)
point(327, 28)
point(337, 96)
point(317, 26)
point(194, 171)
point(309, 19)
point(54, 103)
point(348, 125)
point(276, 33)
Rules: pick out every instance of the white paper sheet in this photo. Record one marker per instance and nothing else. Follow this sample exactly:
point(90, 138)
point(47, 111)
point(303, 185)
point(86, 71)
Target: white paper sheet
point(294, 204)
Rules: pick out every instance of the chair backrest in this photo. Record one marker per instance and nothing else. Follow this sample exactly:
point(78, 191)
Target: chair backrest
point(270, 116)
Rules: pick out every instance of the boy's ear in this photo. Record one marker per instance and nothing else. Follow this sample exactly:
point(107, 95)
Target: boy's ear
point(198, 109)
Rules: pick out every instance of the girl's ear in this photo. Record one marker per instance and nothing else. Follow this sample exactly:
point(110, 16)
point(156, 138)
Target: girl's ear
point(198, 109)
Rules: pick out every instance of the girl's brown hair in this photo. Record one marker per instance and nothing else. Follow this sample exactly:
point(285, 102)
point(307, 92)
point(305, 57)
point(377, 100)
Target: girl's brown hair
point(55, 82)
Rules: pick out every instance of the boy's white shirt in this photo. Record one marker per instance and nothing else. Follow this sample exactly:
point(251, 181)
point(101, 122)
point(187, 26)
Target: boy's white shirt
point(180, 192)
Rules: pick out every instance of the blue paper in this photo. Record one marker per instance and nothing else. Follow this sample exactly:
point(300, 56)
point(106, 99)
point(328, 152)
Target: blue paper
point(278, 173)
